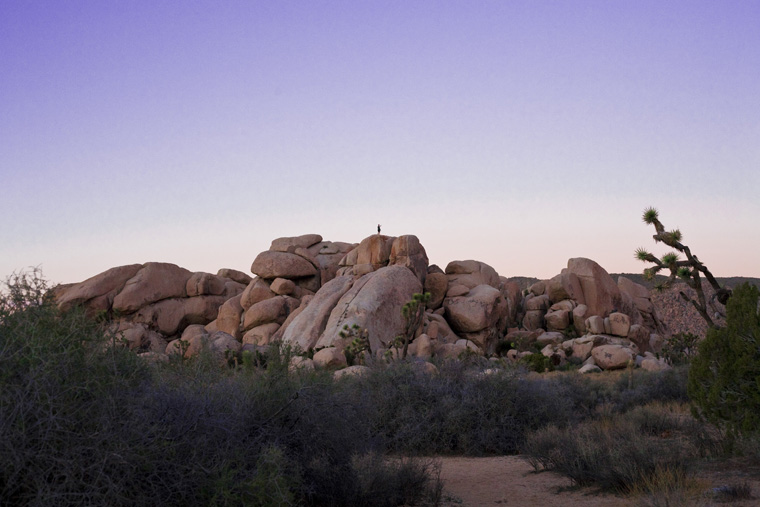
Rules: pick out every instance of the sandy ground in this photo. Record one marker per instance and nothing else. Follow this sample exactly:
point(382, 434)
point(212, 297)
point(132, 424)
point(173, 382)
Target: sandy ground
point(509, 480)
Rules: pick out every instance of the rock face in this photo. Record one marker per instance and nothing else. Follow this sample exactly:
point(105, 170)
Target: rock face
point(99, 291)
point(290, 244)
point(154, 282)
point(471, 274)
point(436, 284)
point(407, 251)
point(600, 293)
point(610, 357)
point(479, 316)
point(641, 300)
point(310, 323)
point(171, 316)
point(275, 264)
point(307, 289)
point(373, 303)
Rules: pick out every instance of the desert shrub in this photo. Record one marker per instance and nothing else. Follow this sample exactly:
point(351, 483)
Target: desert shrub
point(538, 362)
point(639, 387)
point(680, 348)
point(669, 487)
point(723, 379)
point(63, 394)
point(380, 480)
point(461, 410)
point(83, 422)
point(611, 453)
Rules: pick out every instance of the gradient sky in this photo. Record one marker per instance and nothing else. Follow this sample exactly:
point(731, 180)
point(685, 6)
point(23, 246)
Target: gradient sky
point(516, 133)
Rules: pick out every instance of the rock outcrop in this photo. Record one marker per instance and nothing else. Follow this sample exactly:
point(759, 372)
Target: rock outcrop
point(305, 291)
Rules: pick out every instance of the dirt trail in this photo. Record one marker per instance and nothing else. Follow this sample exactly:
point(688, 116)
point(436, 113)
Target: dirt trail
point(509, 480)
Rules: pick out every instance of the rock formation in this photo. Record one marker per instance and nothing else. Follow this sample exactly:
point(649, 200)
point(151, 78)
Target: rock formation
point(305, 291)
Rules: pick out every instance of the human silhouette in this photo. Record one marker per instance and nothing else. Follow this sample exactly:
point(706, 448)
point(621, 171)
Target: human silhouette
point(378, 228)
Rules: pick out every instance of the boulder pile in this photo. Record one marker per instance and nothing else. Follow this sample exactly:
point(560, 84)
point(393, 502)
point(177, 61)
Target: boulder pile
point(305, 292)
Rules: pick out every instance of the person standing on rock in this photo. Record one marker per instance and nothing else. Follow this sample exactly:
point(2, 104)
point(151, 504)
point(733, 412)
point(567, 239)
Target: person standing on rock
point(378, 228)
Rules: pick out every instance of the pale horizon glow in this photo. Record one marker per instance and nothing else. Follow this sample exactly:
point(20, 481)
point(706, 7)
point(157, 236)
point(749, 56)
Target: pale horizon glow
point(520, 134)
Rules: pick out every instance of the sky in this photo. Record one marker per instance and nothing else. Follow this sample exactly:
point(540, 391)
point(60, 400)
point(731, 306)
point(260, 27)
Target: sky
point(517, 133)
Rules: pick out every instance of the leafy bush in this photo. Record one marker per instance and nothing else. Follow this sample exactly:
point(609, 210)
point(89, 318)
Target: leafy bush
point(680, 348)
point(724, 376)
point(538, 362)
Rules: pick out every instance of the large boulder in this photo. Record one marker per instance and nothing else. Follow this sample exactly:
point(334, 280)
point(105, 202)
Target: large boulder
point(291, 243)
point(154, 282)
point(565, 285)
point(471, 274)
point(482, 307)
point(270, 265)
point(513, 295)
point(600, 293)
point(620, 323)
point(541, 302)
point(256, 291)
point(557, 320)
point(436, 284)
point(261, 335)
point(330, 358)
point(327, 256)
point(480, 316)
point(438, 329)
point(229, 317)
point(170, 316)
point(611, 357)
point(372, 253)
point(407, 251)
point(205, 284)
point(373, 303)
point(275, 309)
point(97, 293)
point(234, 275)
point(308, 326)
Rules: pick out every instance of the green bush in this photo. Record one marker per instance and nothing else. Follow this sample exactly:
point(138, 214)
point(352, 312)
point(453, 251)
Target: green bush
point(538, 362)
point(724, 378)
point(85, 422)
point(680, 348)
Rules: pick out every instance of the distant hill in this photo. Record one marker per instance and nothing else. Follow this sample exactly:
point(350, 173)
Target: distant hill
point(732, 281)
point(526, 281)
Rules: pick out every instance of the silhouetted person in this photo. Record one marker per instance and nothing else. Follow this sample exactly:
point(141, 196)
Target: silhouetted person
point(378, 228)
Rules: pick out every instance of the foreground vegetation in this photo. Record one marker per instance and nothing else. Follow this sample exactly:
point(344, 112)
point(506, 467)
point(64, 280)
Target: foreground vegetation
point(84, 421)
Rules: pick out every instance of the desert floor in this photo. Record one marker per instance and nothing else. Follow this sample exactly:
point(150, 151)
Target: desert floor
point(510, 480)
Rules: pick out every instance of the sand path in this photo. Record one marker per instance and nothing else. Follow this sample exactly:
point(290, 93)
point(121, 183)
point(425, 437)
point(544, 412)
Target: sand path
point(509, 480)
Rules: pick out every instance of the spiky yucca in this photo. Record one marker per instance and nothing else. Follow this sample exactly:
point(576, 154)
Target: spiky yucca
point(690, 270)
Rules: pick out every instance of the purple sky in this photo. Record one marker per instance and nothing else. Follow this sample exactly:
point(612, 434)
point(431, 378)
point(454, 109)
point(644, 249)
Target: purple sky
point(516, 133)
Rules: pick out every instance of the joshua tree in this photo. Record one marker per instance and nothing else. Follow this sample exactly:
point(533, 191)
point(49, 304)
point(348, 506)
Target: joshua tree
point(413, 312)
point(689, 270)
point(360, 343)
